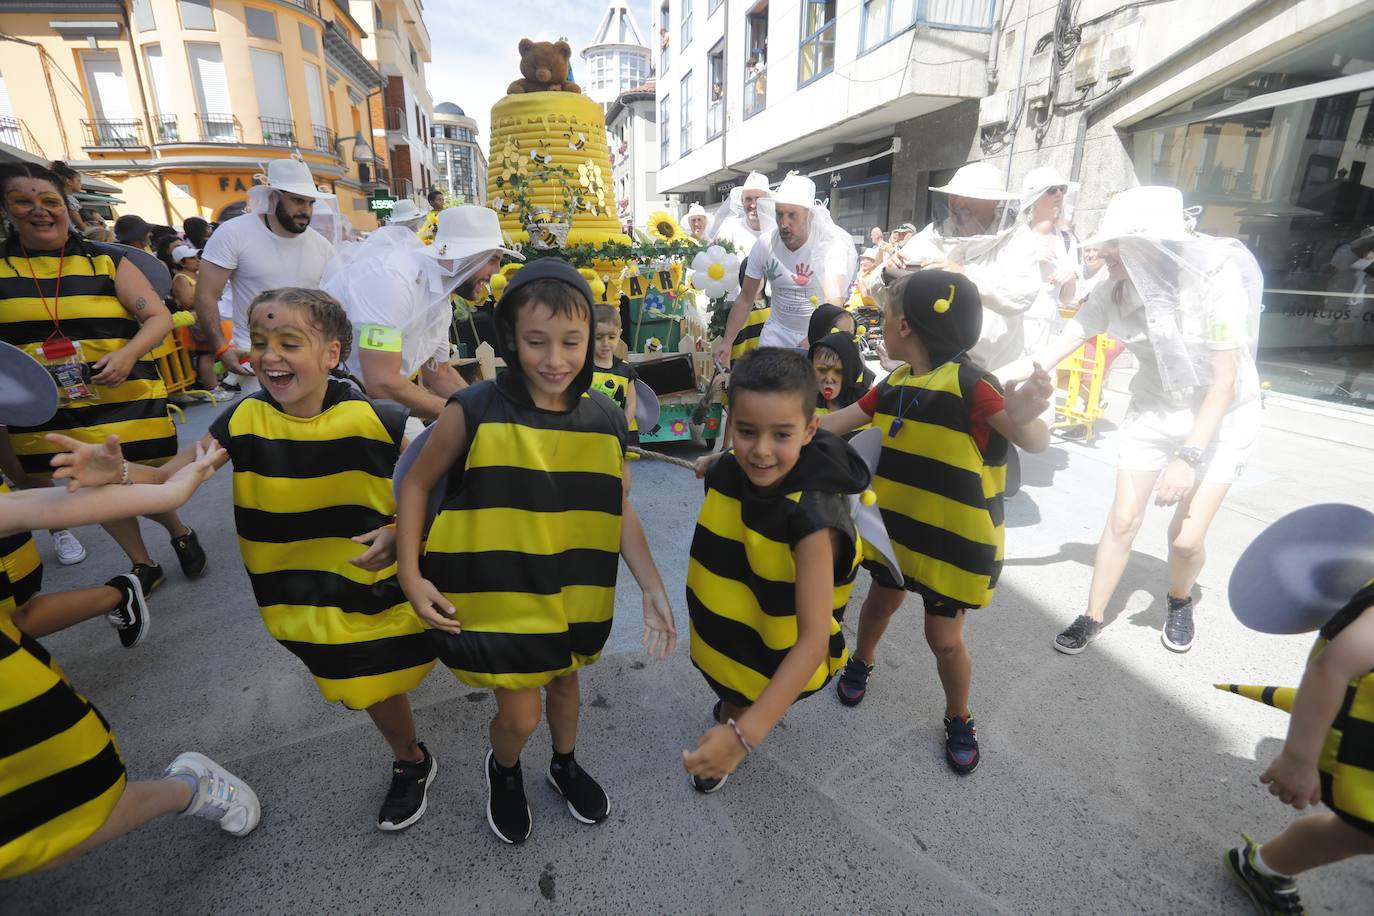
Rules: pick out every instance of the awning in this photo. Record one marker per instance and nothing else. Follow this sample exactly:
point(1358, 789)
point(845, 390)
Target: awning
point(89, 183)
point(85, 197)
point(1342, 85)
point(15, 154)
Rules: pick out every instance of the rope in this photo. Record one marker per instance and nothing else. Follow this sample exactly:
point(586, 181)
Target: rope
point(658, 456)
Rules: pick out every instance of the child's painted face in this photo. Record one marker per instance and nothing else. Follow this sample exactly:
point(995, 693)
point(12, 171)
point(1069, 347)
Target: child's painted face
point(829, 373)
point(552, 349)
point(607, 335)
point(769, 430)
point(290, 357)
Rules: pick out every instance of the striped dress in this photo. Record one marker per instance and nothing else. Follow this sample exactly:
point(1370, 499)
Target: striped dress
point(742, 573)
point(302, 489)
point(940, 496)
point(21, 566)
point(526, 545)
point(60, 770)
point(90, 314)
point(1347, 758)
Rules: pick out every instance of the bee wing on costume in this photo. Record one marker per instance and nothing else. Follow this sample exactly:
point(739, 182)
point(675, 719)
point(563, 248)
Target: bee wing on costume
point(646, 406)
point(867, 518)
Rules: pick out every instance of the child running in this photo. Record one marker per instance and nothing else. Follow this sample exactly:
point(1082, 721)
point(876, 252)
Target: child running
point(313, 460)
point(939, 482)
point(1328, 757)
point(773, 560)
point(614, 377)
point(518, 575)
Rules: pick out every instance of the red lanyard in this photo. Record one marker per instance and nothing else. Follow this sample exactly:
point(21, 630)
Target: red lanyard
point(55, 312)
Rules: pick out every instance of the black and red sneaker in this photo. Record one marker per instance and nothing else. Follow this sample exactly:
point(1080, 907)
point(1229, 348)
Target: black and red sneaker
point(852, 683)
point(961, 744)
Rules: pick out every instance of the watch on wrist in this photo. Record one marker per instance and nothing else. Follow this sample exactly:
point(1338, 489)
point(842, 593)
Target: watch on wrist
point(1189, 456)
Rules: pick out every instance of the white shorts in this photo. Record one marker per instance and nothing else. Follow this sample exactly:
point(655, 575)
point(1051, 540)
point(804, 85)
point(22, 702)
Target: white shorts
point(777, 334)
point(1149, 439)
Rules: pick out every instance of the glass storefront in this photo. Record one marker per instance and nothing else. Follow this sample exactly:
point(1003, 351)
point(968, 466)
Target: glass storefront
point(1281, 159)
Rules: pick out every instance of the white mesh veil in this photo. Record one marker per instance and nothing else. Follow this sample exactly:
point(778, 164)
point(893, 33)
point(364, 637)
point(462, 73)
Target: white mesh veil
point(1200, 296)
point(730, 222)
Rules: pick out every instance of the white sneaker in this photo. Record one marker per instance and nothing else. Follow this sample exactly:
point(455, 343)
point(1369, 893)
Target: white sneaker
point(222, 394)
point(69, 549)
point(221, 796)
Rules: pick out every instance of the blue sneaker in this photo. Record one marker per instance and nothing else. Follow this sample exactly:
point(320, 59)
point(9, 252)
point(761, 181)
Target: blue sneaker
point(852, 683)
point(961, 744)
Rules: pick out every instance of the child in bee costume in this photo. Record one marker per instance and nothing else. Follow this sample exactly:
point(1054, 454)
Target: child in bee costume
point(1329, 752)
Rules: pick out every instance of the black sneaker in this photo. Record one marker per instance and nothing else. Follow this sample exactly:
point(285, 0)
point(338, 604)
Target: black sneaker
point(708, 786)
point(130, 617)
point(587, 801)
point(1177, 634)
point(1076, 638)
point(190, 555)
point(150, 575)
point(408, 796)
point(961, 744)
point(852, 683)
point(508, 812)
point(1271, 896)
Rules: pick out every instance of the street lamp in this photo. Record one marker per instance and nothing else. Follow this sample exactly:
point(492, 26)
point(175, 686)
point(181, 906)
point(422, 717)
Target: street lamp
point(362, 150)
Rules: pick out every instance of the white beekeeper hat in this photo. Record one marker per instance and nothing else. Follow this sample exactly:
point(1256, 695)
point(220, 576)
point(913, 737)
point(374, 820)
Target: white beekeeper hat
point(797, 191)
point(870, 253)
point(182, 252)
point(465, 231)
point(696, 210)
point(977, 179)
point(1041, 179)
point(405, 211)
point(1149, 212)
point(293, 177)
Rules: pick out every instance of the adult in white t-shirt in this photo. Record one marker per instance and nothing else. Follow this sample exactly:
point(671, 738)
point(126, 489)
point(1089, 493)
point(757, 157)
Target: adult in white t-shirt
point(396, 289)
point(806, 259)
point(1187, 306)
point(269, 247)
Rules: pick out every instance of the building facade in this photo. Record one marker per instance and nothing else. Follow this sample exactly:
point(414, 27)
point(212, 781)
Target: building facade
point(1259, 112)
point(617, 57)
point(397, 44)
point(180, 103)
point(632, 123)
point(460, 164)
point(845, 91)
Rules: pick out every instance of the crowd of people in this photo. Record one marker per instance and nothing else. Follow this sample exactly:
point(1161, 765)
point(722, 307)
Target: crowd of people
point(393, 514)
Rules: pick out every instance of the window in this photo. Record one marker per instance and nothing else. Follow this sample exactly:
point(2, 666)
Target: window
point(261, 23)
point(143, 15)
point(115, 123)
point(212, 93)
point(686, 28)
point(274, 107)
point(756, 60)
point(166, 123)
point(715, 92)
point(684, 107)
point(9, 125)
point(196, 14)
point(414, 58)
point(377, 17)
point(309, 42)
point(315, 93)
point(663, 23)
point(818, 40)
point(882, 19)
point(663, 132)
point(712, 6)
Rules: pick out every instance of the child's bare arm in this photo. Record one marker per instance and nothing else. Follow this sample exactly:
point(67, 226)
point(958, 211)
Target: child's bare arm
point(845, 420)
point(631, 402)
point(50, 507)
point(1293, 775)
point(719, 751)
point(447, 439)
point(660, 632)
point(1022, 404)
point(85, 464)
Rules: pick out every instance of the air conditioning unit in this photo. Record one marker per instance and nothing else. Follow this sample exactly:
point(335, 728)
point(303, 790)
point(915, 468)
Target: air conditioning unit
point(1085, 62)
point(992, 110)
point(1038, 96)
point(1121, 54)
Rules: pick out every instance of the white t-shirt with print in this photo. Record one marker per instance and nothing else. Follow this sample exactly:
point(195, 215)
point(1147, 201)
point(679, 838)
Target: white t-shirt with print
point(262, 260)
point(795, 280)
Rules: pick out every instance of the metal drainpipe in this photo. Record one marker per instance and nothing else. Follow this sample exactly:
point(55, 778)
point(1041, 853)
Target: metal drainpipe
point(1093, 110)
point(1021, 82)
point(147, 118)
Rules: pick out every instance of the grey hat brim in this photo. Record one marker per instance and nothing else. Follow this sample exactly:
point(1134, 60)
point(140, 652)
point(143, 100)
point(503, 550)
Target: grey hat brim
point(28, 395)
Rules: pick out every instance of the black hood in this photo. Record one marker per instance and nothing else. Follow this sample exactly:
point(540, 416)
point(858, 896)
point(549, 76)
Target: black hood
point(851, 364)
point(828, 465)
point(822, 321)
point(542, 269)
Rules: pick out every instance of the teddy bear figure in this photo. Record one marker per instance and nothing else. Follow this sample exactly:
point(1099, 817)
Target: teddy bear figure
point(544, 65)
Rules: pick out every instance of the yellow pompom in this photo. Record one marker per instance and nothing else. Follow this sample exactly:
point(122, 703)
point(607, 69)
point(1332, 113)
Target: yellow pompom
point(497, 284)
point(814, 300)
point(868, 497)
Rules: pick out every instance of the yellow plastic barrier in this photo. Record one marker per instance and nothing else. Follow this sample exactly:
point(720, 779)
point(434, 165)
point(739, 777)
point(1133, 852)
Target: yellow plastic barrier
point(178, 372)
point(1083, 386)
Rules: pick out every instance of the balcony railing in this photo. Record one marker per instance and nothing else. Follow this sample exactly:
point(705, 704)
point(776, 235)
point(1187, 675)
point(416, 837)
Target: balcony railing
point(395, 118)
point(116, 133)
point(219, 127)
point(715, 119)
point(310, 6)
point(402, 187)
point(278, 131)
point(324, 139)
point(371, 173)
point(167, 128)
point(12, 133)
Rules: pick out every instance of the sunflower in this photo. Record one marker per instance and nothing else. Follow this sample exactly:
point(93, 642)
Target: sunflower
point(663, 227)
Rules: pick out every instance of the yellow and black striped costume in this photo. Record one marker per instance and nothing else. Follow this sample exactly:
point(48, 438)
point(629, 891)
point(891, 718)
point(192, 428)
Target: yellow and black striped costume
point(615, 383)
point(22, 568)
point(940, 496)
point(302, 489)
point(526, 544)
point(748, 337)
point(1347, 759)
point(742, 573)
point(92, 315)
point(60, 770)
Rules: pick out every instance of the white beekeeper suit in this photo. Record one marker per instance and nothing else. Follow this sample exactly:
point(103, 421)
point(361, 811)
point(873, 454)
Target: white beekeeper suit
point(1047, 202)
point(734, 223)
